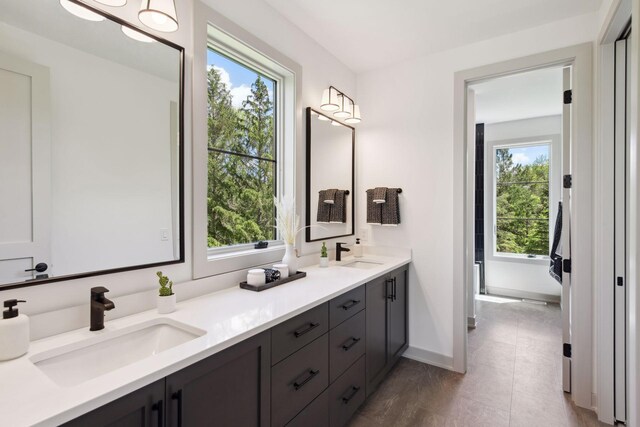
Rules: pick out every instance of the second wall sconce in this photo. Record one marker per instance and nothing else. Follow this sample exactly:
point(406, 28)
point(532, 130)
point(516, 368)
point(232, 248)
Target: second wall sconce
point(341, 105)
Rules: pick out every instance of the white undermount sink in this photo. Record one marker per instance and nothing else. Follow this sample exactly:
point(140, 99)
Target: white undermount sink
point(76, 363)
point(362, 264)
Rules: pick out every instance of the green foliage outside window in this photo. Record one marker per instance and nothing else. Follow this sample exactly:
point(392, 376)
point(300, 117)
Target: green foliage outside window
point(522, 204)
point(242, 164)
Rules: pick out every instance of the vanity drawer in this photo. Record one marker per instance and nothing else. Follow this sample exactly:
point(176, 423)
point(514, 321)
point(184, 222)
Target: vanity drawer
point(298, 379)
point(347, 394)
point(316, 414)
point(346, 344)
point(295, 333)
point(343, 307)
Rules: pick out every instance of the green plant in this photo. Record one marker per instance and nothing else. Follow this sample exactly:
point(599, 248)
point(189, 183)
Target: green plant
point(166, 287)
point(323, 251)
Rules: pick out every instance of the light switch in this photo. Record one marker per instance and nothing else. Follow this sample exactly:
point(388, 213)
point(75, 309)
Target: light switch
point(164, 234)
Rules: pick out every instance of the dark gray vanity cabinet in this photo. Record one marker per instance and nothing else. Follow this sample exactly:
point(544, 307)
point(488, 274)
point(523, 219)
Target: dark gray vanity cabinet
point(386, 320)
point(141, 408)
point(231, 388)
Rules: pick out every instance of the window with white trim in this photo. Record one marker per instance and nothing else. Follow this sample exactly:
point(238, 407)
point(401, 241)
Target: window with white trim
point(521, 198)
point(242, 148)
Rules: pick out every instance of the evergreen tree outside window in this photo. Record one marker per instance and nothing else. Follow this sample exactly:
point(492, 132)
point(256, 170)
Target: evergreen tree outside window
point(522, 199)
point(242, 163)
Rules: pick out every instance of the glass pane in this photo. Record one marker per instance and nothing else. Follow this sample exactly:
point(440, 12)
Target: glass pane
point(522, 200)
point(240, 199)
point(241, 108)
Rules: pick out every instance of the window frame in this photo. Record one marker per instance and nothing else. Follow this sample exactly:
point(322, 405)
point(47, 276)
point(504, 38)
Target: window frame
point(555, 168)
point(227, 38)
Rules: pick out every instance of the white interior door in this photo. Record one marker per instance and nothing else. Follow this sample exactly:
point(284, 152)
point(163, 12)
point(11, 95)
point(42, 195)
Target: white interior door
point(566, 233)
point(25, 169)
point(621, 215)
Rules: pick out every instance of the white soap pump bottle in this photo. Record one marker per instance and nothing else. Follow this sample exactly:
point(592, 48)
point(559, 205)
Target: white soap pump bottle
point(357, 249)
point(14, 331)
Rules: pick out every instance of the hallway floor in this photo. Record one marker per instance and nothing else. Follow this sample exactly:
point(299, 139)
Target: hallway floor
point(514, 378)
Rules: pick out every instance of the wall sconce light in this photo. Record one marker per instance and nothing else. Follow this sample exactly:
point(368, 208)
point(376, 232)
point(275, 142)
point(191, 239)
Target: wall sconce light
point(342, 105)
point(81, 11)
point(114, 3)
point(159, 15)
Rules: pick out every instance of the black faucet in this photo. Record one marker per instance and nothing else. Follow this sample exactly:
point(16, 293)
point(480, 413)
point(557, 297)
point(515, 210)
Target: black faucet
point(98, 306)
point(339, 250)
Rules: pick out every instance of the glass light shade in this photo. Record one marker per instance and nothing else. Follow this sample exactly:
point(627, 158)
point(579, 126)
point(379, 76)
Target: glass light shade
point(344, 110)
point(81, 11)
point(136, 35)
point(159, 15)
point(115, 3)
point(328, 104)
point(323, 118)
point(355, 118)
point(334, 123)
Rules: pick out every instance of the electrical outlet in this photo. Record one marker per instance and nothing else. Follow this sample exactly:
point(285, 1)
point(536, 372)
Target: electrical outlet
point(364, 234)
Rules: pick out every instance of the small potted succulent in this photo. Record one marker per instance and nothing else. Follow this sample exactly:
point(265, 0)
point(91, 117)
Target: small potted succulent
point(324, 256)
point(166, 297)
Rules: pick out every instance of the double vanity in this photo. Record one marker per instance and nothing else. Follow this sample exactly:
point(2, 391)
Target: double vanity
point(305, 353)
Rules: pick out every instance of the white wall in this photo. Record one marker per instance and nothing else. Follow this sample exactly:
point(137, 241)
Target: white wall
point(320, 69)
point(412, 147)
point(526, 278)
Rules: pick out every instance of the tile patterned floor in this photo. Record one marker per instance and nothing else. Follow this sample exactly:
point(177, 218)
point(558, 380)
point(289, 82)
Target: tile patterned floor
point(514, 378)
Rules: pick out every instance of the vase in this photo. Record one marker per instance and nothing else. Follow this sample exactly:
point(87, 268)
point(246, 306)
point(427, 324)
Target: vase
point(324, 261)
point(290, 258)
point(166, 304)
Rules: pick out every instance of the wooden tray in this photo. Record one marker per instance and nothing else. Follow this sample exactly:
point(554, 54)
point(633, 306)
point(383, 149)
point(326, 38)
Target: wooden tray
point(259, 288)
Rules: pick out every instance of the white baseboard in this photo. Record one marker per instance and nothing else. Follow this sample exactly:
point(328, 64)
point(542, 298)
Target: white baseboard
point(429, 357)
point(514, 293)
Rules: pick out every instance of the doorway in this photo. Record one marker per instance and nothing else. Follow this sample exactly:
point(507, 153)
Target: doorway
point(577, 329)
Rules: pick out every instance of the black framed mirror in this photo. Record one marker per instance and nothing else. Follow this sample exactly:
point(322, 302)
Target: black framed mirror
point(91, 145)
point(330, 177)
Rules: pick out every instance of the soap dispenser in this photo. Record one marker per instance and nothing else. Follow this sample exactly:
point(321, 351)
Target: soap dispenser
point(14, 331)
point(357, 249)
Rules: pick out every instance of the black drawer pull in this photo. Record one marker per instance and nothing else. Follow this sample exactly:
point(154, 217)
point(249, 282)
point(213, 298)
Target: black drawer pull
point(178, 396)
point(312, 373)
point(301, 332)
point(354, 341)
point(354, 391)
point(350, 304)
point(158, 407)
point(388, 294)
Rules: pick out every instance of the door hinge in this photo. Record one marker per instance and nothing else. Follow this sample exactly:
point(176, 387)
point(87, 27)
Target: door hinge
point(567, 181)
point(566, 265)
point(566, 350)
point(620, 281)
point(568, 96)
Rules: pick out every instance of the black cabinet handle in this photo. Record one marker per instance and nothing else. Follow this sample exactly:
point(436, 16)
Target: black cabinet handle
point(350, 304)
point(354, 341)
point(301, 332)
point(178, 396)
point(388, 294)
point(354, 390)
point(40, 267)
point(312, 374)
point(158, 406)
point(395, 296)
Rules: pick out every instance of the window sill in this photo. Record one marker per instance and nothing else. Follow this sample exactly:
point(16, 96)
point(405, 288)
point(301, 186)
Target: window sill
point(220, 254)
point(521, 259)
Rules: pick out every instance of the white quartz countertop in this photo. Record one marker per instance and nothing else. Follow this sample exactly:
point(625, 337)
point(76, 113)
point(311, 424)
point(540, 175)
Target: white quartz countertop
point(29, 397)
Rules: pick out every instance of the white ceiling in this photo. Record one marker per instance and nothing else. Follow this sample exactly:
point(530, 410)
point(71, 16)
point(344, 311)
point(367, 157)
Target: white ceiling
point(520, 96)
point(369, 34)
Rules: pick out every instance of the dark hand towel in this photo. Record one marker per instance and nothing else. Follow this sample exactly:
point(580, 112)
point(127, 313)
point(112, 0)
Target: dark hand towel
point(339, 208)
point(380, 195)
point(374, 210)
point(391, 209)
point(555, 268)
point(330, 196)
point(324, 209)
